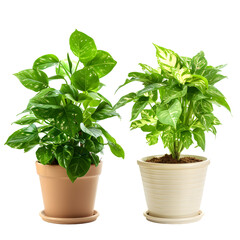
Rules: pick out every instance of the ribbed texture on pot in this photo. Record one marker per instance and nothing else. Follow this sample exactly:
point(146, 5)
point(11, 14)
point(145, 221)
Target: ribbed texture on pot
point(173, 190)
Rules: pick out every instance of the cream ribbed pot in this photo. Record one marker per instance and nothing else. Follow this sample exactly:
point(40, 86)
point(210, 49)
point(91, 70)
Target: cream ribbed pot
point(173, 191)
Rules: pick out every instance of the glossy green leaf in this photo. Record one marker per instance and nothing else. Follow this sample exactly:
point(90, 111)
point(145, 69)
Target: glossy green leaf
point(168, 137)
point(69, 119)
point(124, 100)
point(85, 79)
point(152, 138)
point(45, 61)
point(103, 111)
point(102, 63)
point(199, 137)
point(55, 77)
point(95, 132)
point(174, 92)
point(116, 149)
point(79, 165)
point(149, 88)
point(186, 139)
point(138, 106)
point(28, 119)
point(44, 154)
point(82, 46)
point(70, 90)
point(33, 79)
point(199, 82)
point(55, 136)
point(167, 59)
point(24, 138)
point(64, 155)
point(181, 74)
point(95, 159)
point(148, 69)
point(199, 63)
point(69, 63)
point(46, 104)
point(139, 123)
point(169, 113)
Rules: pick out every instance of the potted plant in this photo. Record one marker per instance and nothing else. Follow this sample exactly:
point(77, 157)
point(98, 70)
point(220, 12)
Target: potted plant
point(64, 123)
point(176, 105)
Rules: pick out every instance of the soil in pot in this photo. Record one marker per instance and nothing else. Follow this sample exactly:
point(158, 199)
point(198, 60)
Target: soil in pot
point(167, 158)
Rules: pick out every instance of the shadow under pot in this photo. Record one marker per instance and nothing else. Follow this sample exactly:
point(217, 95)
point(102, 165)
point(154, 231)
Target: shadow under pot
point(66, 202)
point(173, 191)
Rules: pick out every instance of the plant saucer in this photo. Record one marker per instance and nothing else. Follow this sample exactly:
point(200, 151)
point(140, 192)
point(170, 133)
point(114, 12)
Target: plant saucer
point(173, 220)
point(69, 220)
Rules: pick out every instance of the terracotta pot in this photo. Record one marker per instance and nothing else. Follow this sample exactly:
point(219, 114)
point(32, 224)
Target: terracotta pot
point(64, 201)
point(173, 191)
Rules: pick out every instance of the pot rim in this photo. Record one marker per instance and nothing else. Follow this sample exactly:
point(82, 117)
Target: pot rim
point(58, 171)
point(142, 162)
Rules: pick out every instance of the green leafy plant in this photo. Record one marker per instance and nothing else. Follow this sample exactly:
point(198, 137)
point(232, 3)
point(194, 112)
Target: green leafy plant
point(65, 122)
point(177, 100)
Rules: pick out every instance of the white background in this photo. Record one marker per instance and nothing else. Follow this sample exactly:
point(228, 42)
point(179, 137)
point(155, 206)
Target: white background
point(127, 30)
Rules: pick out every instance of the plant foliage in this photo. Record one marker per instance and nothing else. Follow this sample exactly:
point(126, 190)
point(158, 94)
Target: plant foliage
point(176, 102)
point(64, 122)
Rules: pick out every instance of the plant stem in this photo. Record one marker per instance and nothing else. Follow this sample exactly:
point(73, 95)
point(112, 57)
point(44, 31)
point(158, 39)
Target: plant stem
point(76, 66)
point(65, 70)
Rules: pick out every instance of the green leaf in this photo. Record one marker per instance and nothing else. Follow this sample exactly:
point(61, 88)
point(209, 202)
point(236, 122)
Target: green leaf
point(64, 154)
point(69, 119)
point(69, 63)
point(169, 114)
point(93, 131)
point(102, 63)
point(44, 154)
point(168, 138)
point(174, 92)
point(60, 69)
point(199, 63)
point(116, 149)
point(186, 139)
point(139, 123)
point(138, 106)
point(55, 77)
point(202, 106)
point(149, 88)
point(79, 164)
point(46, 104)
point(45, 61)
point(148, 114)
point(199, 82)
point(93, 145)
point(217, 97)
point(207, 120)
point(95, 159)
point(82, 46)
point(85, 79)
point(28, 119)
point(152, 138)
point(124, 100)
point(55, 136)
point(24, 138)
point(103, 111)
point(69, 90)
point(167, 59)
point(199, 137)
point(181, 74)
point(147, 69)
point(33, 79)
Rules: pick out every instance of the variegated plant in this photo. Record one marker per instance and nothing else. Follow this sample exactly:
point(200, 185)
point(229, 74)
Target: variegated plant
point(64, 122)
point(177, 100)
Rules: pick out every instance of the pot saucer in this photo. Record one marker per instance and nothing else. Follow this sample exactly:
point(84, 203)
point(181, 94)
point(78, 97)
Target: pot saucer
point(173, 220)
point(69, 220)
